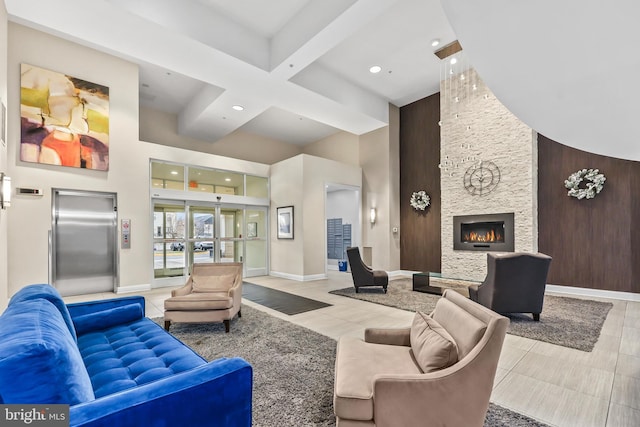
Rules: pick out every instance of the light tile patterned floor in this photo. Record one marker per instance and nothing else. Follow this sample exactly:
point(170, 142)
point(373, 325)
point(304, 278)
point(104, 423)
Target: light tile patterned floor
point(556, 385)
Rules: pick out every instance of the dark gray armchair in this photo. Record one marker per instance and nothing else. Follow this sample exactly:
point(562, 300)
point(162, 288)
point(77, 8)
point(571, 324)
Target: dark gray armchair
point(362, 274)
point(515, 283)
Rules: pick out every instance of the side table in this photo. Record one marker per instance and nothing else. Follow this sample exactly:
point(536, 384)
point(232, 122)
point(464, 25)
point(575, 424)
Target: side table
point(421, 284)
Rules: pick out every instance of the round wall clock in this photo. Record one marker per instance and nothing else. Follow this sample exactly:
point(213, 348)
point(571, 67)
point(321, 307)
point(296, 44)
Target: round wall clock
point(481, 178)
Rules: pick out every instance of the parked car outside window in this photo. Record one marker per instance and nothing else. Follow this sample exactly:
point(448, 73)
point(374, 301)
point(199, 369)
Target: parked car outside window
point(177, 246)
point(203, 245)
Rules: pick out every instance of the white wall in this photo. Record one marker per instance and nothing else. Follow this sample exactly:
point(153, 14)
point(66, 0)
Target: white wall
point(300, 182)
point(128, 175)
point(162, 128)
point(287, 255)
point(3, 156)
point(342, 147)
point(380, 162)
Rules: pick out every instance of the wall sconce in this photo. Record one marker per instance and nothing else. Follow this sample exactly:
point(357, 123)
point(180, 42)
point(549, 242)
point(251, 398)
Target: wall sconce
point(372, 215)
point(5, 191)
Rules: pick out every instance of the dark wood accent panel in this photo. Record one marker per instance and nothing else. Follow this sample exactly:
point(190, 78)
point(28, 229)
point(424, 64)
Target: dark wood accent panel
point(594, 243)
point(634, 232)
point(419, 159)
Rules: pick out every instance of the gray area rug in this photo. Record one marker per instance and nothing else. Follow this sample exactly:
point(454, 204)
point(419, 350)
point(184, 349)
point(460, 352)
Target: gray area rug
point(569, 322)
point(292, 369)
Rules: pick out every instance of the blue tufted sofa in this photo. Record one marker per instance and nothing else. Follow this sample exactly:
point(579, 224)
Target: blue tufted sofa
point(113, 366)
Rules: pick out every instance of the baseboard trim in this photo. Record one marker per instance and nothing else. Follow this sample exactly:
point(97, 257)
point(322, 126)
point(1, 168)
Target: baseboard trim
point(400, 273)
point(568, 290)
point(133, 288)
point(297, 277)
point(588, 292)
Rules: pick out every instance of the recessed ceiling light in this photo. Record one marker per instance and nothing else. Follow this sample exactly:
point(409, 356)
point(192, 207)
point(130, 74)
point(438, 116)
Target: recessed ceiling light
point(375, 69)
point(174, 173)
point(238, 107)
point(228, 179)
point(435, 42)
point(453, 61)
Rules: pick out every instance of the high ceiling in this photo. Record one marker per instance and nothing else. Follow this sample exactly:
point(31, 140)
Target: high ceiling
point(565, 68)
point(300, 68)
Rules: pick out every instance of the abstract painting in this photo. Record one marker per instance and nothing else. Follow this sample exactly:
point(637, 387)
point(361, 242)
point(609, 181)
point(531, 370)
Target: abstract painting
point(64, 120)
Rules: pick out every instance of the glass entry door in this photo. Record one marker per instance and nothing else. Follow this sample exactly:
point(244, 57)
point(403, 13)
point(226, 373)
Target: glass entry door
point(256, 242)
point(230, 241)
point(192, 232)
point(169, 241)
point(202, 231)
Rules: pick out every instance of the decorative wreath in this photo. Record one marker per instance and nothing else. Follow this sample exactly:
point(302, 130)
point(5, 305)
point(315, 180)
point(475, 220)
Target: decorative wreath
point(595, 183)
point(420, 200)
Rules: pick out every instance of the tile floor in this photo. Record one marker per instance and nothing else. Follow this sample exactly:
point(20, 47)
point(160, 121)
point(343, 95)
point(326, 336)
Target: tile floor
point(556, 385)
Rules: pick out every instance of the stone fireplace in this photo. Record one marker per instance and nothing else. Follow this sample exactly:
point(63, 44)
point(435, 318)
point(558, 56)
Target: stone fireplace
point(494, 134)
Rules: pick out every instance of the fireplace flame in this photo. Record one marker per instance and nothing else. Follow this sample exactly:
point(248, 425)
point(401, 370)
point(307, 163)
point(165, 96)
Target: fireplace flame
point(489, 237)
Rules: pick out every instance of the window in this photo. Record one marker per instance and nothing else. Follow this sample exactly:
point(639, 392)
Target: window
point(167, 175)
point(216, 181)
point(257, 186)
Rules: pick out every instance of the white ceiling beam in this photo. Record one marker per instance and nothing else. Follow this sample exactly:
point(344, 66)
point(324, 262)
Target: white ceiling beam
point(318, 28)
point(197, 21)
point(132, 37)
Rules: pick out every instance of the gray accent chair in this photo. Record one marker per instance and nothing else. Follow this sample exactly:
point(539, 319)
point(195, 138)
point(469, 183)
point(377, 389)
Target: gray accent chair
point(515, 283)
point(364, 275)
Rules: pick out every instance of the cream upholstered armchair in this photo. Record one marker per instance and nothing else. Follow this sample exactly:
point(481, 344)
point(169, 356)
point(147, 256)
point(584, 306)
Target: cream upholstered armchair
point(438, 372)
point(213, 293)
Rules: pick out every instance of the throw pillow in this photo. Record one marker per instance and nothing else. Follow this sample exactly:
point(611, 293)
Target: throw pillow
point(213, 283)
point(432, 346)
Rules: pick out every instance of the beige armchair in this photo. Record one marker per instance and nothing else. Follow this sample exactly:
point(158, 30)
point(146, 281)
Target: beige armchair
point(213, 293)
point(438, 372)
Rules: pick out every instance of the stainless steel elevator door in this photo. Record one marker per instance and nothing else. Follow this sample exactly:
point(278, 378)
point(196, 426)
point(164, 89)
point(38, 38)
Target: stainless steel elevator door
point(84, 242)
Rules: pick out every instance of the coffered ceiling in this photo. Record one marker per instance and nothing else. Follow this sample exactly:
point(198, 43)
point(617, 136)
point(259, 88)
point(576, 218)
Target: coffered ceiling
point(299, 68)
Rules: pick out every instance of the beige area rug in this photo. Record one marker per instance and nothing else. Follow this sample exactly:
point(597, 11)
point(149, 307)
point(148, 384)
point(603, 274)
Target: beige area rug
point(569, 322)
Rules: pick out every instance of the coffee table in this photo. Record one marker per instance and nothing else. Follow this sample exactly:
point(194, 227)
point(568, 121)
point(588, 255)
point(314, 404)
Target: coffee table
point(435, 283)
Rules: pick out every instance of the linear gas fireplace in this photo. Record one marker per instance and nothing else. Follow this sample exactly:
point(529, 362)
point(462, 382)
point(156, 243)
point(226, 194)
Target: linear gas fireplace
point(491, 232)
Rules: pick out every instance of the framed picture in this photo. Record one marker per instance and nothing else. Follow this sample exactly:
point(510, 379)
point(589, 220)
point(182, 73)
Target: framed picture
point(285, 222)
point(64, 120)
point(252, 229)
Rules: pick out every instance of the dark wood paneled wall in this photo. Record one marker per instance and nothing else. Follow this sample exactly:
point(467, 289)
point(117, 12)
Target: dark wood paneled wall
point(419, 159)
point(594, 243)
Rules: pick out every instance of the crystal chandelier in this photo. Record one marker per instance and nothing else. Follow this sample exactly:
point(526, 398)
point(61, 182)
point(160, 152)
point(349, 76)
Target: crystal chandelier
point(460, 92)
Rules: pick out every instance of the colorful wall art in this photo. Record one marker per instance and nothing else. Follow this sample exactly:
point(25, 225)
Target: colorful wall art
point(64, 120)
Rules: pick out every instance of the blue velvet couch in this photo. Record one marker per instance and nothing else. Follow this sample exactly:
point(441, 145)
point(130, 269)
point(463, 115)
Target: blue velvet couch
point(113, 366)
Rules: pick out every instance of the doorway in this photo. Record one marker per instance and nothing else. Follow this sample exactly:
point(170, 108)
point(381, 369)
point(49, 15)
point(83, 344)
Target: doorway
point(192, 232)
point(343, 223)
